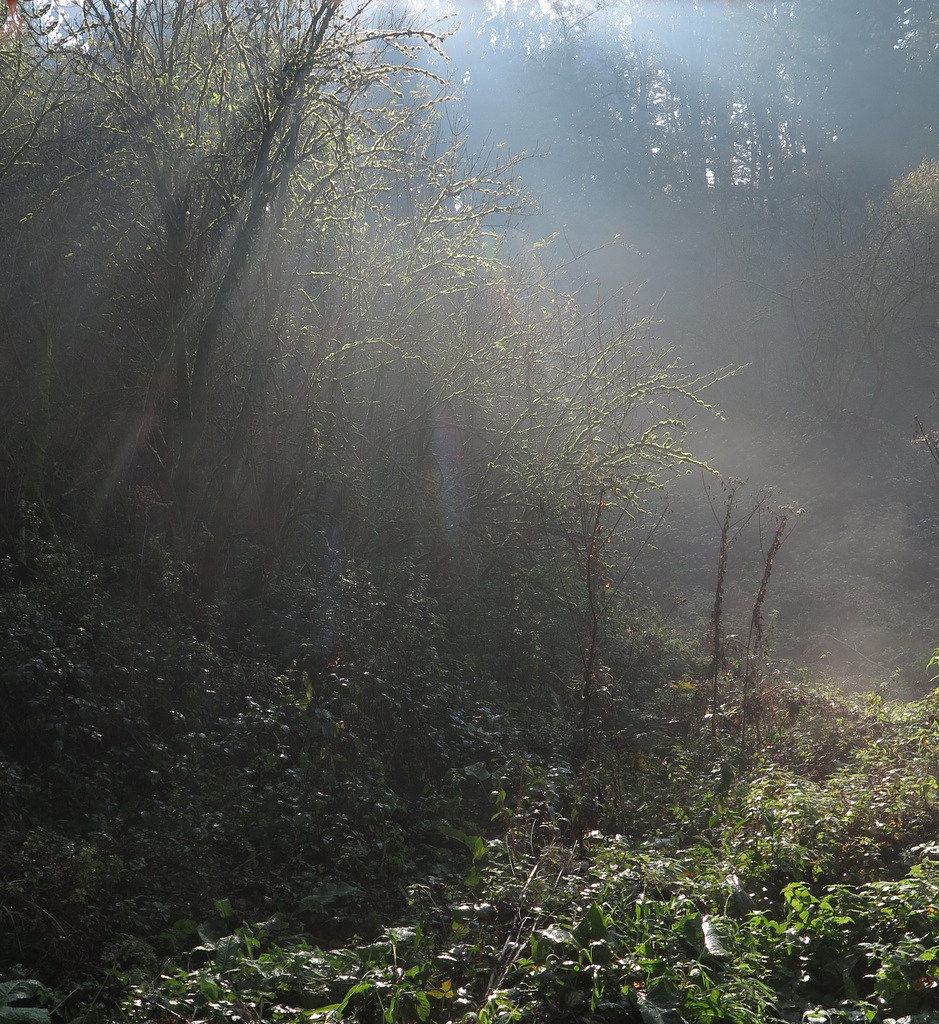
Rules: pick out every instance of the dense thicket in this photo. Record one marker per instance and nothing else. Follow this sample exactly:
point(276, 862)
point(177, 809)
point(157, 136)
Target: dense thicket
point(300, 467)
point(259, 322)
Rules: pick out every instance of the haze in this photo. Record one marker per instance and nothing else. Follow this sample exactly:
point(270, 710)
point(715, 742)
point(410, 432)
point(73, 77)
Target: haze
point(222, 333)
point(727, 164)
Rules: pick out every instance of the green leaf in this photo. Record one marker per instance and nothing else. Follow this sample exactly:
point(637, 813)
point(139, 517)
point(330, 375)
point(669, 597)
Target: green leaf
point(224, 909)
point(554, 935)
point(592, 928)
point(477, 771)
point(473, 879)
point(653, 1014)
point(403, 936)
point(210, 932)
point(24, 1015)
point(338, 1008)
point(181, 931)
point(22, 988)
point(600, 952)
point(13, 991)
point(712, 940)
point(327, 893)
point(227, 952)
point(474, 844)
point(208, 989)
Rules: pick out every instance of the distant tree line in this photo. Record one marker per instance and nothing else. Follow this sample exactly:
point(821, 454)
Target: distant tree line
point(761, 157)
point(701, 98)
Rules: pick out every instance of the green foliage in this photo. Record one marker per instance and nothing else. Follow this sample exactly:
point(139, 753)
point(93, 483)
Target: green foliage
point(20, 991)
point(837, 910)
point(400, 843)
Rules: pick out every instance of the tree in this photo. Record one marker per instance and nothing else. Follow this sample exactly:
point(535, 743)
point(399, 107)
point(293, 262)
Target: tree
point(216, 148)
point(856, 310)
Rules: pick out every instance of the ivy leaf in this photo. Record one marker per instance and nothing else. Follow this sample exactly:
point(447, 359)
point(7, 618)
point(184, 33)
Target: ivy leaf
point(24, 1015)
point(477, 771)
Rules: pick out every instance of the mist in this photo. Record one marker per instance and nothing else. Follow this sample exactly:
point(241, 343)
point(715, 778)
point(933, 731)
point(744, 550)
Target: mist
point(468, 533)
point(755, 182)
point(726, 165)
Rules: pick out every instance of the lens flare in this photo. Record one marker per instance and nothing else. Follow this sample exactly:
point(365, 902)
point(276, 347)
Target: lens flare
point(447, 441)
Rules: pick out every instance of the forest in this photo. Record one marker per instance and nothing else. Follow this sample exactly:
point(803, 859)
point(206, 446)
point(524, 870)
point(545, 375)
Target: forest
point(468, 533)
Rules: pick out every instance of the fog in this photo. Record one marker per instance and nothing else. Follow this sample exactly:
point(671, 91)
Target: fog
point(727, 164)
point(271, 306)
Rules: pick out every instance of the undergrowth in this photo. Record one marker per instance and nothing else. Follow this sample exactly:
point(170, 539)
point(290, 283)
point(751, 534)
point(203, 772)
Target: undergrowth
point(715, 885)
point(738, 891)
point(192, 833)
